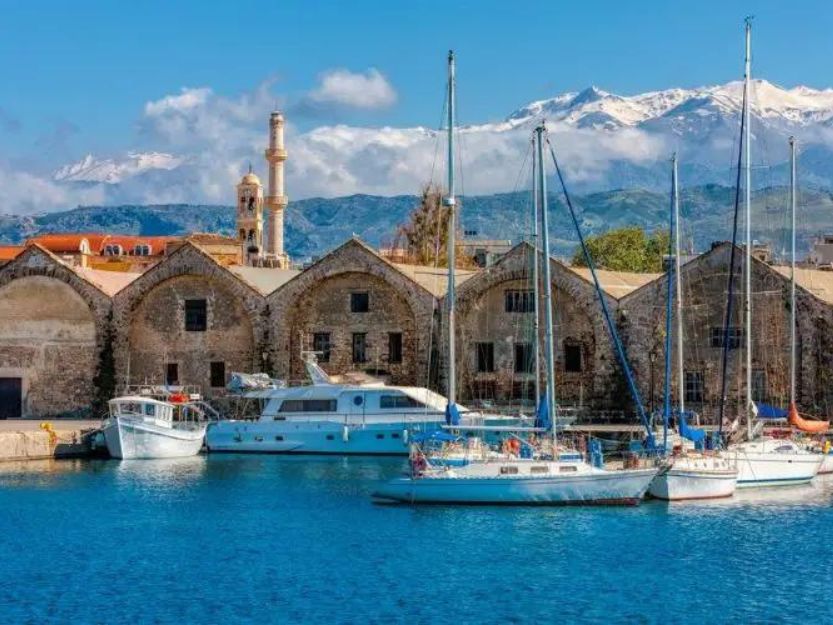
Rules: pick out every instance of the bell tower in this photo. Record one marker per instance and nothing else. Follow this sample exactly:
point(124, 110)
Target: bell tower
point(250, 217)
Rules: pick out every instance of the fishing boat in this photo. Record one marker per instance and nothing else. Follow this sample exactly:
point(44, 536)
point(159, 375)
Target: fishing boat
point(692, 473)
point(761, 460)
point(143, 427)
point(524, 472)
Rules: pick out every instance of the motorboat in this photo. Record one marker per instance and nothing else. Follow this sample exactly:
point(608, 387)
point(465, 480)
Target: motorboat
point(765, 461)
point(144, 427)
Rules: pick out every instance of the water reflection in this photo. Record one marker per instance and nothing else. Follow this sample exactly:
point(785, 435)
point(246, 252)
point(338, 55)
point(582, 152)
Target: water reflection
point(161, 474)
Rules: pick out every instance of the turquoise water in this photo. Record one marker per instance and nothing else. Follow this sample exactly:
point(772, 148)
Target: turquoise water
point(260, 539)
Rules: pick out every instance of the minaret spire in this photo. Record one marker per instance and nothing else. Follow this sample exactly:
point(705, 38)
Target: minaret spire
point(276, 201)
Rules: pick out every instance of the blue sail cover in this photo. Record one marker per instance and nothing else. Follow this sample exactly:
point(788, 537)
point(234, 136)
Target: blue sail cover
point(695, 435)
point(452, 414)
point(542, 417)
point(766, 411)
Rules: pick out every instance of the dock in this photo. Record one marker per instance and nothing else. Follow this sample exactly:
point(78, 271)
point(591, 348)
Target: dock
point(34, 439)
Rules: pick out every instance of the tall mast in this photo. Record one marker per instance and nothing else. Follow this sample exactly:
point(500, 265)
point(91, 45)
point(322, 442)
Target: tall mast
point(793, 193)
point(747, 78)
point(547, 301)
point(666, 403)
point(450, 201)
point(679, 281)
point(535, 280)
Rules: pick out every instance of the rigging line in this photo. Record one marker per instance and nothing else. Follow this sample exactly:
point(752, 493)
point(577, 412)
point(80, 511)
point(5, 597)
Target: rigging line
point(731, 279)
point(620, 349)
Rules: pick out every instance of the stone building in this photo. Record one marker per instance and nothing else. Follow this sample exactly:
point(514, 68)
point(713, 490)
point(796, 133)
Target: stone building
point(188, 320)
point(53, 328)
point(642, 320)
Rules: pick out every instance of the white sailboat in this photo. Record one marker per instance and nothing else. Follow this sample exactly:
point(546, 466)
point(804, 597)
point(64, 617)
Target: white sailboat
point(691, 474)
point(762, 461)
point(143, 427)
point(545, 474)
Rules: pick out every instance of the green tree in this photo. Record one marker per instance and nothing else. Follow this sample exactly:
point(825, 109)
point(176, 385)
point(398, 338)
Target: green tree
point(625, 249)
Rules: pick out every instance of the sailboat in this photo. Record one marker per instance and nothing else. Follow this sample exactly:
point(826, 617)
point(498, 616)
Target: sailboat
point(761, 461)
point(691, 474)
point(528, 472)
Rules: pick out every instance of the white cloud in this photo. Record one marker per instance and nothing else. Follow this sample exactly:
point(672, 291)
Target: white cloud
point(24, 193)
point(186, 100)
point(360, 90)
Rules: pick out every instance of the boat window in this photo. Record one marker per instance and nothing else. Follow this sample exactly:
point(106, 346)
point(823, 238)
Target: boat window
point(399, 401)
point(508, 470)
point(380, 436)
point(308, 405)
point(541, 469)
point(567, 469)
point(150, 410)
point(395, 435)
point(330, 437)
point(259, 439)
point(358, 400)
point(279, 437)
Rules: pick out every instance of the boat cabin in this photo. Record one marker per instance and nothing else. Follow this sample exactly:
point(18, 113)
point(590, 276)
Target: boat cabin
point(144, 408)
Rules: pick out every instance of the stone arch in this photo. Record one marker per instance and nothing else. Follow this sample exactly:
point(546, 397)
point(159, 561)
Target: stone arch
point(318, 300)
point(151, 330)
point(52, 332)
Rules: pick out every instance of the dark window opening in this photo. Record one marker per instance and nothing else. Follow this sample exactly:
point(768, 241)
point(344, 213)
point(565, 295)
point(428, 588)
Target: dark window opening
point(308, 405)
point(572, 357)
point(171, 374)
point(395, 435)
point(734, 336)
point(330, 437)
point(380, 436)
point(218, 374)
point(359, 347)
point(523, 358)
point(694, 387)
point(359, 302)
point(398, 401)
point(196, 315)
point(279, 438)
point(519, 301)
point(525, 389)
point(394, 347)
point(485, 357)
point(759, 390)
point(321, 345)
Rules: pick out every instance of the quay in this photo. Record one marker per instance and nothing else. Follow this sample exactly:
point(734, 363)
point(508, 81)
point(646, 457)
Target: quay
point(33, 439)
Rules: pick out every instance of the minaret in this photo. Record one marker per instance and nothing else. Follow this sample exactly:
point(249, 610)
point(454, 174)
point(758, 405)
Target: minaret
point(276, 201)
point(250, 217)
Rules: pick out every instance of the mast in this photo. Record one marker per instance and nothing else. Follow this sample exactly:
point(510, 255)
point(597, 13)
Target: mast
point(793, 194)
point(536, 322)
point(666, 404)
point(679, 281)
point(450, 201)
point(747, 77)
point(547, 303)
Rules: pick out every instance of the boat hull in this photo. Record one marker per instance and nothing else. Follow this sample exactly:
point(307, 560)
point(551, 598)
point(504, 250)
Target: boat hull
point(626, 487)
point(774, 463)
point(128, 439)
point(826, 467)
point(681, 484)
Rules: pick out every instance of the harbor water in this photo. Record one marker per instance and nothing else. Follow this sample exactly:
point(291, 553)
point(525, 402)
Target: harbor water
point(272, 539)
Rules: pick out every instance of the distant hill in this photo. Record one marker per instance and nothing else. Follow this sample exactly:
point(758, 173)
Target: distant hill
point(316, 225)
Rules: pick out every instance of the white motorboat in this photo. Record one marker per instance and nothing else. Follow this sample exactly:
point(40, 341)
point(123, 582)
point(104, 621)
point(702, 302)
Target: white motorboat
point(695, 475)
point(521, 481)
point(768, 461)
point(143, 427)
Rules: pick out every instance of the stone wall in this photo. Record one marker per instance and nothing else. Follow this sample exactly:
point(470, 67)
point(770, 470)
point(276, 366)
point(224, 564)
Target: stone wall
point(51, 334)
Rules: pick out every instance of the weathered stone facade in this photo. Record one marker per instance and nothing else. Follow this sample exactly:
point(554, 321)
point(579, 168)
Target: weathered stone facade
point(491, 319)
point(152, 335)
point(642, 319)
point(321, 301)
point(52, 330)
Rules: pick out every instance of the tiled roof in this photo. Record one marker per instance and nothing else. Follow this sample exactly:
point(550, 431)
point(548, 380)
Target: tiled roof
point(617, 283)
point(819, 283)
point(434, 279)
point(70, 243)
point(10, 252)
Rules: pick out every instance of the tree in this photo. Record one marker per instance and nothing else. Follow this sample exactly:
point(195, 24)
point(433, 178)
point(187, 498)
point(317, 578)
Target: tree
point(425, 237)
point(626, 249)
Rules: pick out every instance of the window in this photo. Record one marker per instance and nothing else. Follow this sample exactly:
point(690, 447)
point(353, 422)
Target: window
point(572, 357)
point(196, 316)
point(735, 336)
point(759, 385)
point(242, 234)
point(394, 347)
point(172, 374)
point(523, 358)
point(359, 347)
point(321, 346)
point(398, 401)
point(218, 374)
point(141, 249)
point(539, 469)
point(113, 250)
point(519, 301)
point(567, 469)
point(359, 302)
point(485, 357)
point(694, 387)
point(308, 405)
point(509, 470)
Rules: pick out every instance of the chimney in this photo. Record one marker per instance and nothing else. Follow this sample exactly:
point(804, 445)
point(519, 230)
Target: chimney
point(276, 201)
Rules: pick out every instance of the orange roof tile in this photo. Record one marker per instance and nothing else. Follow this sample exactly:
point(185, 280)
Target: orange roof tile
point(71, 242)
point(10, 252)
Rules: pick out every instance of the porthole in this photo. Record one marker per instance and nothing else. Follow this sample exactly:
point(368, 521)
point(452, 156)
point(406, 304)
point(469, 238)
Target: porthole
point(380, 436)
point(358, 400)
point(279, 438)
point(395, 435)
point(330, 437)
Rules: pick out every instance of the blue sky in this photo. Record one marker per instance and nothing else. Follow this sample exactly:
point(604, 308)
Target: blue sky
point(90, 67)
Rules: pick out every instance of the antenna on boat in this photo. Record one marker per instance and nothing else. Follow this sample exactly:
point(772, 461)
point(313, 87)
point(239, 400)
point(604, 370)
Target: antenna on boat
point(450, 201)
point(747, 77)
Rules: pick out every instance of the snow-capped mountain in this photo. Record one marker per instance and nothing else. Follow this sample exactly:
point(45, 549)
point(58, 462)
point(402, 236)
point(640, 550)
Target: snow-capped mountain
point(606, 140)
point(111, 171)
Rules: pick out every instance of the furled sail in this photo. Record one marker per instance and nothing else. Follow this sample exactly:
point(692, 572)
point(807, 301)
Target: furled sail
point(806, 425)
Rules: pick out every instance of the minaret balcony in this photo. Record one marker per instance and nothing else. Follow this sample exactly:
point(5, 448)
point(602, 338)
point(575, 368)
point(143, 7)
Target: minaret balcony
point(276, 155)
point(278, 201)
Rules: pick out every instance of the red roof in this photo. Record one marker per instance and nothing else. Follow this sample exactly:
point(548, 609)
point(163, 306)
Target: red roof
point(71, 243)
point(10, 252)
